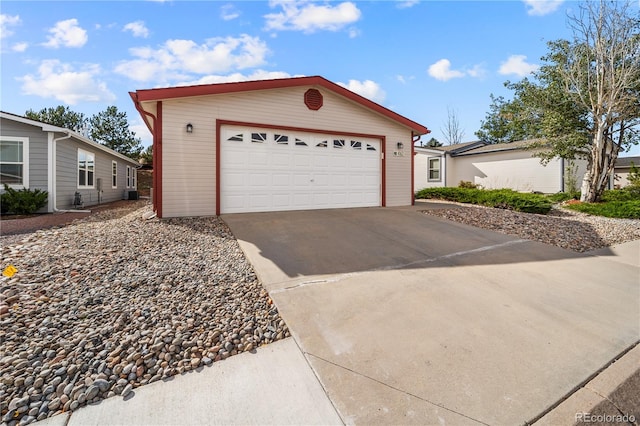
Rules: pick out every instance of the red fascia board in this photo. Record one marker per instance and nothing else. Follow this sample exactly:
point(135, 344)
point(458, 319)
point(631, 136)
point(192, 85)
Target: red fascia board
point(245, 86)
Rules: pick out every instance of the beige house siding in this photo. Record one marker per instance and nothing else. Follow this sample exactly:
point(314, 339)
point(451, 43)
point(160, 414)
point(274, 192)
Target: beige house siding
point(513, 169)
point(188, 160)
point(620, 179)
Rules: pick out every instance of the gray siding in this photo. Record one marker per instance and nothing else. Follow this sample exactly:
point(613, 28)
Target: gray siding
point(37, 150)
point(67, 175)
point(37, 156)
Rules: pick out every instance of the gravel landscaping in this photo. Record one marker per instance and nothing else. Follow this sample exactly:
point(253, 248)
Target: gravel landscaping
point(561, 227)
point(113, 302)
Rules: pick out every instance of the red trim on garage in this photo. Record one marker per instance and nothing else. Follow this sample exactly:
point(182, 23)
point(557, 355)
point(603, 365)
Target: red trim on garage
point(221, 88)
point(220, 123)
point(157, 162)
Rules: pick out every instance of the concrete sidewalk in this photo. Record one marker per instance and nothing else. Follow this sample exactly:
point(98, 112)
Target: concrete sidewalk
point(273, 386)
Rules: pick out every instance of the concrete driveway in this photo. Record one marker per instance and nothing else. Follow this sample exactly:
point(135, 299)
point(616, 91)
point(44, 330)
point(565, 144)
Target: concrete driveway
point(408, 318)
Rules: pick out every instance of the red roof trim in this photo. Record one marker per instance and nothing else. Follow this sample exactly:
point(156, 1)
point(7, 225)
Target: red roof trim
point(244, 86)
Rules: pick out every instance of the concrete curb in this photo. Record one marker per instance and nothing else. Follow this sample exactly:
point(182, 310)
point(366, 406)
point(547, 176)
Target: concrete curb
point(596, 395)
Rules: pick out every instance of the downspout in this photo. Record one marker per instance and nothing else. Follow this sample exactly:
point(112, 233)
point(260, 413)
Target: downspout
point(562, 171)
point(414, 140)
point(54, 185)
point(152, 129)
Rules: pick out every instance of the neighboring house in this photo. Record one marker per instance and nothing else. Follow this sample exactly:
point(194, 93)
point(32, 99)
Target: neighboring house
point(494, 166)
point(621, 170)
point(37, 155)
point(272, 145)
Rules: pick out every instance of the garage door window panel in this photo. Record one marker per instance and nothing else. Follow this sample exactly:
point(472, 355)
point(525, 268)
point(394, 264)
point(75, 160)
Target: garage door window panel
point(258, 137)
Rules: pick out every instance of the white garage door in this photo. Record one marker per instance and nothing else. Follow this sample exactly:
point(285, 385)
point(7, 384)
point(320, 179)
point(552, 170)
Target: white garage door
point(271, 170)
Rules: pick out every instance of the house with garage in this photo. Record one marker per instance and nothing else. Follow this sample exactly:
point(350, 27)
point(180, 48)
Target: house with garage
point(273, 145)
point(74, 170)
point(494, 166)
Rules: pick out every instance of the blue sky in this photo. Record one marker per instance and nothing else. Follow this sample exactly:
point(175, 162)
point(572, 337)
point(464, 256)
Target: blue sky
point(416, 58)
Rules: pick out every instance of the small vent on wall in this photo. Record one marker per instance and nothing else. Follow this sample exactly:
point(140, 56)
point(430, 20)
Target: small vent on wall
point(313, 99)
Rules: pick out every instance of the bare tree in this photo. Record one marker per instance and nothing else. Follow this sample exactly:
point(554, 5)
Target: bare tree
point(452, 132)
point(602, 74)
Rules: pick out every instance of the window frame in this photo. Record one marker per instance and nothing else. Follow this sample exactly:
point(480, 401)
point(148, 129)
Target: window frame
point(431, 169)
point(24, 162)
point(92, 155)
point(114, 174)
point(128, 177)
point(134, 175)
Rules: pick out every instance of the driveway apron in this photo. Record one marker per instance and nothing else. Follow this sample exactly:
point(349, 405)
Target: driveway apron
point(408, 318)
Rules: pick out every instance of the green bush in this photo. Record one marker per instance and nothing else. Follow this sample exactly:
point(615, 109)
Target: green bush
point(625, 194)
point(559, 197)
point(498, 198)
point(468, 185)
point(617, 209)
point(24, 201)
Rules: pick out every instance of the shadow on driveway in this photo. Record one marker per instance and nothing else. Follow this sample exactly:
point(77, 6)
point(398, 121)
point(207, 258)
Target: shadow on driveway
point(323, 242)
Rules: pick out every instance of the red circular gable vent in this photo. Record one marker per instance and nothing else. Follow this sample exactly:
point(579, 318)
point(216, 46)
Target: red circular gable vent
point(313, 99)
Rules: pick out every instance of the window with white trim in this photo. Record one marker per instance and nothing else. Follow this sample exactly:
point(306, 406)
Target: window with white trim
point(433, 173)
point(14, 161)
point(134, 173)
point(114, 174)
point(86, 169)
point(128, 176)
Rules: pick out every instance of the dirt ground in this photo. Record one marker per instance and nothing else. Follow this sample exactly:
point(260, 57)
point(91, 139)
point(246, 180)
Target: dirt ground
point(23, 225)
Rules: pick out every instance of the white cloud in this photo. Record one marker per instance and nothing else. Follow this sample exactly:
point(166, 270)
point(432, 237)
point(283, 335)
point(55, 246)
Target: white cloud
point(369, 89)
point(228, 12)
point(516, 64)
point(478, 71)
point(7, 21)
point(141, 130)
point(179, 59)
point(405, 4)
point(66, 33)
point(20, 47)
point(404, 79)
point(137, 28)
point(60, 81)
point(303, 15)
point(542, 7)
point(442, 71)
point(236, 77)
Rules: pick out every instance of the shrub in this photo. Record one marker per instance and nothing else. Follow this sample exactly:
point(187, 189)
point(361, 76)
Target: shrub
point(559, 197)
point(24, 201)
point(625, 194)
point(617, 209)
point(467, 184)
point(498, 198)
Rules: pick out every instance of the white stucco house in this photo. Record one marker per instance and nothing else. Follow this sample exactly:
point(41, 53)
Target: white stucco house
point(273, 145)
point(494, 166)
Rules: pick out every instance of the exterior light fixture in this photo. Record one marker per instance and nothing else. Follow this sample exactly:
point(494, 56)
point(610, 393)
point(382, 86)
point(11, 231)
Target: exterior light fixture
point(400, 145)
point(189, 128)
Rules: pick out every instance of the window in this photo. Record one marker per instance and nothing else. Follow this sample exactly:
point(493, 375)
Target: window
point(338, 143)
point(114, 174)
point(258, 137)
point(128, 176)
point(236, 138)
point(300, 142)
point(86, 169)
point(134, 173)
point(281, 139)
point(14, 161)
point(434, 169)
point(322, 144)
point(371, 147)
point(356, 145)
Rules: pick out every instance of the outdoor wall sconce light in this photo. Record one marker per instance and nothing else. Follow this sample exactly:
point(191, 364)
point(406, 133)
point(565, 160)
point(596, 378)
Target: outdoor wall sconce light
point(189, 128)
point(400, 145)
